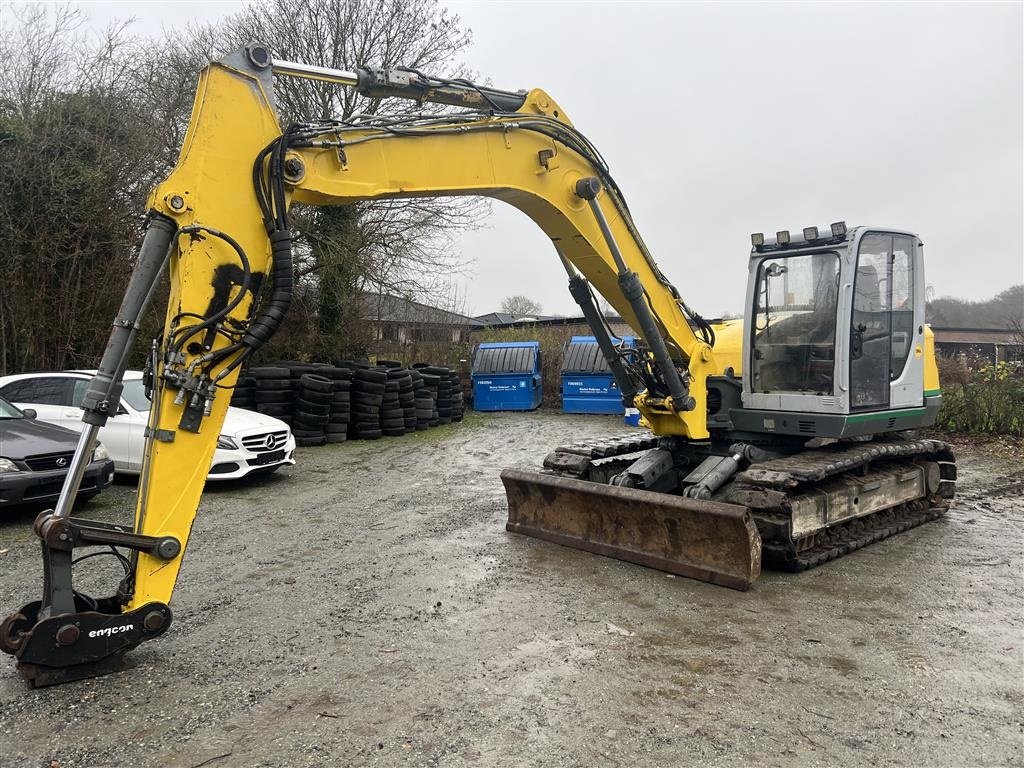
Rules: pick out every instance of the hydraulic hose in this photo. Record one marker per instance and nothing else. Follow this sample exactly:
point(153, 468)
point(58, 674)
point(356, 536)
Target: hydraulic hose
point(271, 316)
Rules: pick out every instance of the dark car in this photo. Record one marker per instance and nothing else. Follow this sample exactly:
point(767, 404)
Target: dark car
point(34, 460)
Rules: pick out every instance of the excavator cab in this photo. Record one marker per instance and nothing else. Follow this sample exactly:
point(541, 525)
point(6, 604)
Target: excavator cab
point(835, 342)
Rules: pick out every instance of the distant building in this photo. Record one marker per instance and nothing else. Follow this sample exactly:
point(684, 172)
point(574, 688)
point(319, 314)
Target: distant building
point(991, 345)
point(400, 321)
point(495, 319)
point(572, 326)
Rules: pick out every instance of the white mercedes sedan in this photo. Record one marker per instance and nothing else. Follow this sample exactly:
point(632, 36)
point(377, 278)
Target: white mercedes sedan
point(249, 442)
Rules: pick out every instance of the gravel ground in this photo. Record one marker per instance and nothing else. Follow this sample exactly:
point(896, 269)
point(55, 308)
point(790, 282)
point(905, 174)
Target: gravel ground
point(367, 607)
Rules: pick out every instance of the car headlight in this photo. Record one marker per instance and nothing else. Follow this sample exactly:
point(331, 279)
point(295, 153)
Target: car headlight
point(226, 442)
point(6, 465)
point(100, 452)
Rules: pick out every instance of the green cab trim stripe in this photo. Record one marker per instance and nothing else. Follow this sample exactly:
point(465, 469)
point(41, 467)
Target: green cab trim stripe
point(883, 415)
point(932, 392)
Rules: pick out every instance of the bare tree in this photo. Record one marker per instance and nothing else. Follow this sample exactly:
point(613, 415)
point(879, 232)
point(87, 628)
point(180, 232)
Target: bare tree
point(997, 312)
point(76, 159)
point(88, 123)
point(520, 306)
point(396, 247)
point(38, 44)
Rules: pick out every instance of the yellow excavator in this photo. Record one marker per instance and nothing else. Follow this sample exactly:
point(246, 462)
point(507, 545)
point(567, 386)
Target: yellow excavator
point(785, 436)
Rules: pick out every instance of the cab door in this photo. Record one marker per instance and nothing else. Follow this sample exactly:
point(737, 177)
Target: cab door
point(886, 328)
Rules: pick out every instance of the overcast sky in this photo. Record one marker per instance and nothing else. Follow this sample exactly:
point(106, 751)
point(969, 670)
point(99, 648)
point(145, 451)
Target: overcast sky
point(719, 120)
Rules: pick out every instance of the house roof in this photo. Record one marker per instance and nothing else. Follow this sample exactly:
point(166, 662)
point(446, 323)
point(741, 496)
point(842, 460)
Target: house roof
point(505, 318)
point(950, 334)
point(384, 308)
point(495, 318)
point(540, 321)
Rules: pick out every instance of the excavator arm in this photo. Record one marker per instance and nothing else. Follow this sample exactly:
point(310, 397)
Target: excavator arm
point(219, 224)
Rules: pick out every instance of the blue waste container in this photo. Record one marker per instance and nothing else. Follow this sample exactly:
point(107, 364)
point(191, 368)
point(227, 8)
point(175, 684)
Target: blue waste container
point(506, 376)
point(588, 385)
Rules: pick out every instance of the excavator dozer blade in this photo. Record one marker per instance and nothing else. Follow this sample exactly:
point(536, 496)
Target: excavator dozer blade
point(704, 540)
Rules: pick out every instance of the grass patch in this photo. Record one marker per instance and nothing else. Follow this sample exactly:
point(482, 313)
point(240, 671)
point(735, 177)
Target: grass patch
point(470, 420)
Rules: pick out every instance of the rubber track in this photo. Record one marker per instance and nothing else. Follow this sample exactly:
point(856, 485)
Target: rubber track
point(629, 442)
point(791, 474)
point(853, 535)
point(815, 465)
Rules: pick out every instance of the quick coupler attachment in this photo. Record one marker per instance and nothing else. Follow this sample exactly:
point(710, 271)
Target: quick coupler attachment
point(76, 646)
point(68, 635)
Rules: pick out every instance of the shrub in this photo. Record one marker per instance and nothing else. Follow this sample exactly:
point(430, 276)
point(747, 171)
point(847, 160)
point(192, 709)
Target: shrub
point(988, 400)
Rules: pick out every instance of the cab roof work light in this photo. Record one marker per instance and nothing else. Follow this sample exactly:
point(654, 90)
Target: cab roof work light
point(839, 229)
point(782, 238)
point(810, 233)
point(757, 239)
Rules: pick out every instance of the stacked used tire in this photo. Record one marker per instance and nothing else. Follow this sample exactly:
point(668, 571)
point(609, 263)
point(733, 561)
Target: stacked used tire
point(351, 399)
point(450, 403)
point(336, 429)
point(297, 371)
point(367, 397)
point(312, 409)
point(458, 405)
point(244, 393)
point(431, 381)
point(445, 393)
point(273, 391)
point(407, 399)
point(423, 400)
point(392, 414)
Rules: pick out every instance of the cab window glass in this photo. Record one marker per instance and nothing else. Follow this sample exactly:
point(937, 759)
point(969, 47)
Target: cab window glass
point(871, 294)
point(902, 303)
point(870, 331)
point(795, 324)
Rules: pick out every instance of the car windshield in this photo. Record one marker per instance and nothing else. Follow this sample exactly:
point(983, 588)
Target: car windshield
point(135, 395)
point(8, 411)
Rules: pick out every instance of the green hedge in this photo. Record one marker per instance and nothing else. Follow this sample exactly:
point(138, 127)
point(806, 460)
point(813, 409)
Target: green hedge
point(988, 400)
